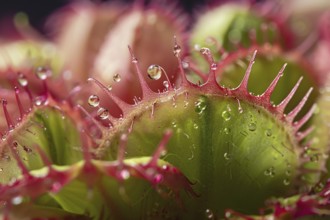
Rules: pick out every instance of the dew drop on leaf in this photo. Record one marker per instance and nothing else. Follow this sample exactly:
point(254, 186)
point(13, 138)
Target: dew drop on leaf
point(103, 113)
point(270, 172)
point(93, 100)
point(174, 124)
point(227, 156)
point(286, 182)
point(226, 130)
point(288, 173)
point(195, 126)
point(268, 132)
point(226, 115)
point(252, 126)
point(154, 72)
point(116, 78)
point(200, 106)
point(1, 169)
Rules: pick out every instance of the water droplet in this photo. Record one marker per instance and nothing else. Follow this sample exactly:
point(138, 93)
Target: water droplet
point(154, 72)
point(124, 174)
point(286, 182)
point(227, 156)
point(43, 72)
point(174, 124)
point(164, 152)
point(185, 64)
point(17, 200)
point(4, 137)
point(176, 50)
point(166, 84)
point(228, 214)
point(195, 126)
point(268, 132)
point(214, 66)
point(226, 130)
point(116, 78)
point(109, 87)
point(200, 106)
point(22, 80)
point(226, 115)
point(252, 126)
point(205, 50)
point(38, 101)
point(240, 109)
point(1, 169)
point(209, 214)
point(134, 60)
point(270, 172)
point(103, 113)
point(288, 172)
point(93, 100)
point(158, 178)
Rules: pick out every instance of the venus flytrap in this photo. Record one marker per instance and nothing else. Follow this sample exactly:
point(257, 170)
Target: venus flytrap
point(184, 149)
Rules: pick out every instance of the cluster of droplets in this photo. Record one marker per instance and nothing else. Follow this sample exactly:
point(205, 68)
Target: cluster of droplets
point(94, 101)
point(200, 106)
point(155, 72)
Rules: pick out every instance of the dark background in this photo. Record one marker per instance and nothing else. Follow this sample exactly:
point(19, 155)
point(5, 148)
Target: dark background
point(39, 10)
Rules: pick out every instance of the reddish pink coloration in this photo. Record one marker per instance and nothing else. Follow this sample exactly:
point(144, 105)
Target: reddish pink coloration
point(159, 176)
point(8, 118)
point(19, 103)
point(269, 91)
point(320, 55)
point(210, 87)
point(306, 204)
point(291, 116)
point(121, 104)
point(161, 148)
point(98, 28)
point(243, 88)
point(146, 91)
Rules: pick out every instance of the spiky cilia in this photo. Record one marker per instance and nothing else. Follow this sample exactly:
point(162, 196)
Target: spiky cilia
point(191, 151)
point(215, 161)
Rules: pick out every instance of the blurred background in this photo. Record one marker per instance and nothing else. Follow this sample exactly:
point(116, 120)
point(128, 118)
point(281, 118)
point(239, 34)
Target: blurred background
point(39, 10)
